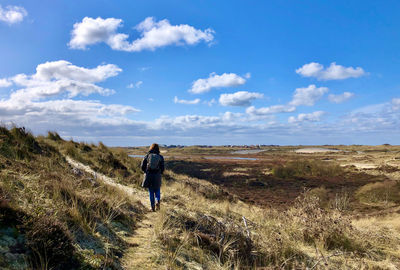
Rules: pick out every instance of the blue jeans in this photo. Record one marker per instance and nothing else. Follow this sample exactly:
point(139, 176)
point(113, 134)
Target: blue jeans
point(156, 192)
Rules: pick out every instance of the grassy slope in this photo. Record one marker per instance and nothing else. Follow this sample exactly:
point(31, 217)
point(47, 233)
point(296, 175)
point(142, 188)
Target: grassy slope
point(199, 227)
point(49, 213)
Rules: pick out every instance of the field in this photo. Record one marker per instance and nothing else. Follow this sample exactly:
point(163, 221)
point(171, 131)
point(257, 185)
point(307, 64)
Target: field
point(276, 176)
point(70, 205)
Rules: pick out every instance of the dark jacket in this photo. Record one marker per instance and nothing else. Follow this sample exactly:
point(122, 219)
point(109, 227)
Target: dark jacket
point(153, 178)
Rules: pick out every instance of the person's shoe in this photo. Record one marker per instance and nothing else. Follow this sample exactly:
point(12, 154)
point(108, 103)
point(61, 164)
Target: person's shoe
point(158, 206)
point(153, 208)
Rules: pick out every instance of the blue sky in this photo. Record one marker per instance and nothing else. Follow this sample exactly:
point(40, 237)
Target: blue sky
point(203, 72)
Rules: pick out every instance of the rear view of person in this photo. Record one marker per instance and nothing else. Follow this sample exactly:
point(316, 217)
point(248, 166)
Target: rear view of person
point(153, 167)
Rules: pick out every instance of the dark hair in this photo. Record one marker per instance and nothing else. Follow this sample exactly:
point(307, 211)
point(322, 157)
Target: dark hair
point(155, 148)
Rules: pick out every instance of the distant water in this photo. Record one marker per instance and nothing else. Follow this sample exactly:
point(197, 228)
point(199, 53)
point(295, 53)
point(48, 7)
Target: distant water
point(137, 156)
point(245, 152)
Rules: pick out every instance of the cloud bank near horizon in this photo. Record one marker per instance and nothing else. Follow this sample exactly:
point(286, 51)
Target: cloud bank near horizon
point(54, 97)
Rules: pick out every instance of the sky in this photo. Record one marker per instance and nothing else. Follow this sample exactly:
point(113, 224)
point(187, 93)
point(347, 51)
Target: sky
point(131, 73)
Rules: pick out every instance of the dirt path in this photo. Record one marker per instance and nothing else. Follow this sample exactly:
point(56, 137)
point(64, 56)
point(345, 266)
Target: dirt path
point(142, 243)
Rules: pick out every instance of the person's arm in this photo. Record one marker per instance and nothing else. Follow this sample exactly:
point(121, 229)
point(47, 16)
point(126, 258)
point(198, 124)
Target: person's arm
point(162, 165)
point(144, 164)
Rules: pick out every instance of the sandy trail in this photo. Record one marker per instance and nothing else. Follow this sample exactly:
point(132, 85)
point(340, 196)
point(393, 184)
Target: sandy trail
point(141, 243)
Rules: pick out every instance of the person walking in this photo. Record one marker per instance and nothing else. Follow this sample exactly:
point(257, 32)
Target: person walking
point(153, 167)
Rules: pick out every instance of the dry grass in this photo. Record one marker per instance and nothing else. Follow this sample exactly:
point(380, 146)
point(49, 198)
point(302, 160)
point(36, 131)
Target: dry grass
point(305, 235)
point(386, 193)
point(200, 226)
point(113, 163)
point(59, 218)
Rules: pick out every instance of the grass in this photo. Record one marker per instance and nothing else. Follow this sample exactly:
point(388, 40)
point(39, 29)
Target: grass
point(380, 193)
point(210, 233)
point(61, 220)
point(113, 163)
point(56, 218)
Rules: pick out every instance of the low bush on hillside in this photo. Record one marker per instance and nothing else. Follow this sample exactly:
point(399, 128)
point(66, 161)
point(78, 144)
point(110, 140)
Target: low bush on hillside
point(307, 168)
point(379, 193)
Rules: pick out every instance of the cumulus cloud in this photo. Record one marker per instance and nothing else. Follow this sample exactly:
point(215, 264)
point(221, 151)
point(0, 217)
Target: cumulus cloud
point(307, 117)
point(12, 14)
point(340, 98)
point(187, 102)
point(45, 98)
point(153, 34)
point(214, 81)
point(307, 96)
point(241, 98)
point(5, 83)
point(59, 77)
point(333, 72)
point(270, 110)
point(135, 85)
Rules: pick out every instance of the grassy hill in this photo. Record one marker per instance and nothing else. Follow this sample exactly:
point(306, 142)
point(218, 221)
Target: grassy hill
point(56, 216)
point(50, 213)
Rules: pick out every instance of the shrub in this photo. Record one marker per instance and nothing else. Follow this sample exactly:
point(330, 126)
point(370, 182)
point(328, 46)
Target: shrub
point(302, 168)
point(379, 192)
point(319, 226)
point(322, 194)
point(341, 201)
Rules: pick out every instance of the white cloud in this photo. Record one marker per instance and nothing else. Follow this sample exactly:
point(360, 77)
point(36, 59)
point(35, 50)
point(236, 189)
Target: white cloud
point(396, 103)
point(12, 14)
point(270, 110)
point(5, 83)
point(241, 98)
point(135, 85)
point(41, 101)
point(308, 96)
point(153, 34)
point(333, 72)
point(187, 102)
point(307, 117)
point(59, 77)
point(214, 80)
point(340, 98)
